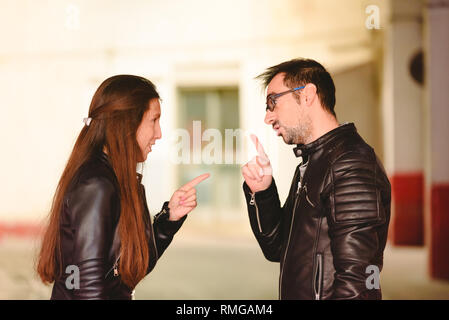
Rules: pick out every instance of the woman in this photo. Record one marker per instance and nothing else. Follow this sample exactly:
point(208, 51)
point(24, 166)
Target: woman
point(100, 241)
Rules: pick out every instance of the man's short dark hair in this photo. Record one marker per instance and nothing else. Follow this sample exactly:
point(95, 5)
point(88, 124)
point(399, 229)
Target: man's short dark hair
point(299, 72)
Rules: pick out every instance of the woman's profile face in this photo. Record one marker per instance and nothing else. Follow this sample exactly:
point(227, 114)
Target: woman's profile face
point(149, 129)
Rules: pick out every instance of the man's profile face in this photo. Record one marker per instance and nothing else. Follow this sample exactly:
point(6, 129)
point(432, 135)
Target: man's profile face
point(289, 118)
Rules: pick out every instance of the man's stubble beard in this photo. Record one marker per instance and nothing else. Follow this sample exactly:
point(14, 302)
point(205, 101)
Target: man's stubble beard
point(300, 134)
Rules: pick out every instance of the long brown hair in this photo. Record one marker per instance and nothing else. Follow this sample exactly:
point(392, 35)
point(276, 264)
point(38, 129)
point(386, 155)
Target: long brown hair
point(116, 110)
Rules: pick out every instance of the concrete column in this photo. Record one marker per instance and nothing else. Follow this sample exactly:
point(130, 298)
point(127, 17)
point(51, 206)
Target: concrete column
point(437, 168)
point(402, 119)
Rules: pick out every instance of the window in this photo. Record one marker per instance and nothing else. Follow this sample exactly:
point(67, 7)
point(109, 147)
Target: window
point(215, 109)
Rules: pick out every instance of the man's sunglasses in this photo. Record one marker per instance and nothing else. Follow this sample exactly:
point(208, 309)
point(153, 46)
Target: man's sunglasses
point(271, 99)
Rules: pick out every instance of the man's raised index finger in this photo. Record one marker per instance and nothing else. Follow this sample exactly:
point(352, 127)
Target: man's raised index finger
point(259, 147)
point(195, 181)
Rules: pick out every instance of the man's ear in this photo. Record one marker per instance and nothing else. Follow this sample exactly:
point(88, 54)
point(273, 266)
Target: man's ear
point(309, 94)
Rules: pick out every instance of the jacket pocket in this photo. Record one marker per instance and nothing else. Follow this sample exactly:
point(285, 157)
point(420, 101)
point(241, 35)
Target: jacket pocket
point(318, 276)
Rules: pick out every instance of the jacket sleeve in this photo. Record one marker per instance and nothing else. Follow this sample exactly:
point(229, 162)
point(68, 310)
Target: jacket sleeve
point(164, 229)
point(265, 216)
point(356, 212)
point(91, 204)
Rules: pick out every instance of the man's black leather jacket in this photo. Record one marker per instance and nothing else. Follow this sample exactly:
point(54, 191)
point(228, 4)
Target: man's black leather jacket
point(89, 234)
point(333, 224)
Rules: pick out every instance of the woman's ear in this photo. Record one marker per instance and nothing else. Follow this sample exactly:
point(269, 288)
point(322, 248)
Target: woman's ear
point(309, 94)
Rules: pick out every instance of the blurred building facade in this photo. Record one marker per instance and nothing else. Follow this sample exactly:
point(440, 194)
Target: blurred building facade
point(415, 113)
point(203, 58)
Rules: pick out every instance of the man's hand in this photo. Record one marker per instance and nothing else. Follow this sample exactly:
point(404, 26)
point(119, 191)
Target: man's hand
point(258, 173)
point(183, 200)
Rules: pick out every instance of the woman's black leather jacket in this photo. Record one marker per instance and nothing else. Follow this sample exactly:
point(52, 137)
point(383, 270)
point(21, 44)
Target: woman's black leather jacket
point(89, 237)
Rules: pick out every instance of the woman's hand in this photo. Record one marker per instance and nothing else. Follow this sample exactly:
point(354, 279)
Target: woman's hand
point(183, 200)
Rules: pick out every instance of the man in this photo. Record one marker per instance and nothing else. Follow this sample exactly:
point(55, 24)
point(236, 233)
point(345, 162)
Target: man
point(330, 235)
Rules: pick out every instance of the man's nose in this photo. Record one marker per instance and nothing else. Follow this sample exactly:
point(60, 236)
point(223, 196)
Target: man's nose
point(270, 117)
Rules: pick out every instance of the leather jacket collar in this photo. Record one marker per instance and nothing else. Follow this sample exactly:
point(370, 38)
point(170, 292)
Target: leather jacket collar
point(105, 158)
point(304, 150)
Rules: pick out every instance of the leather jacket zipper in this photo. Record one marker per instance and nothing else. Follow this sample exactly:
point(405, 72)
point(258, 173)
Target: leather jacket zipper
point(114, 268)
point(115, 265)
point(318, 276)
point(253, 203)
point(298, 190)
point(154, 242)
point(156, 217)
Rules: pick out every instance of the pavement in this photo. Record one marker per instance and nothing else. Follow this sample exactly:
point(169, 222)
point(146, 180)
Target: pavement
point(217, 263)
